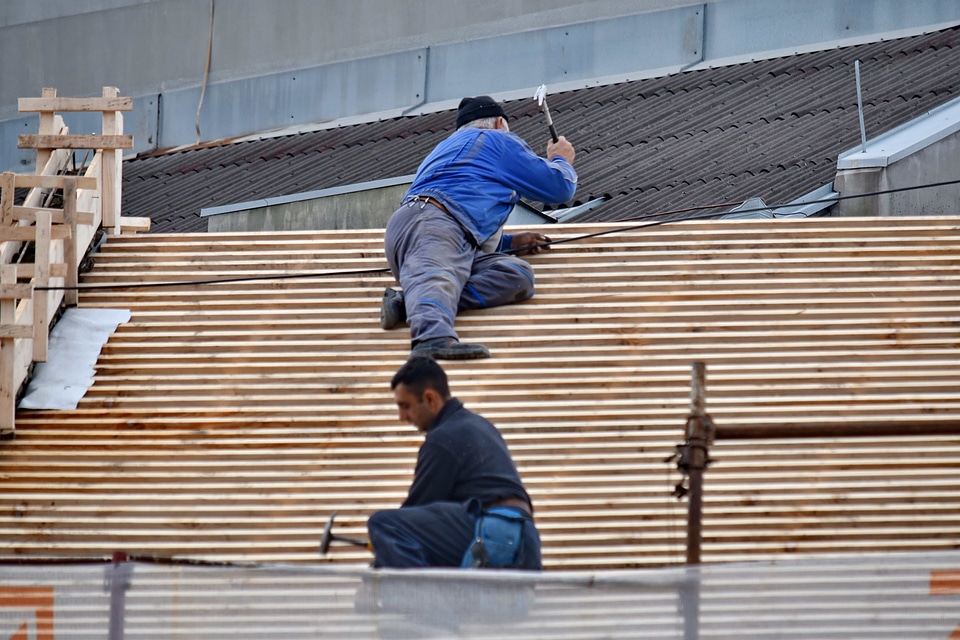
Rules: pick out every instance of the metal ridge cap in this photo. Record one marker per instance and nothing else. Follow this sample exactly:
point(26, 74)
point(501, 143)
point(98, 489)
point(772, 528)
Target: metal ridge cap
point(904, 140)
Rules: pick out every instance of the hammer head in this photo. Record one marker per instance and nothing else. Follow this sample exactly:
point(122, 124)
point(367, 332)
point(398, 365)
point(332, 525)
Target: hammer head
point(327, 536)
point(541, 94)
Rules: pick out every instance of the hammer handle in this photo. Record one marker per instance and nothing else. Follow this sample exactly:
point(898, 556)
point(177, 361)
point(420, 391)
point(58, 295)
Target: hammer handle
point(553, 133)
point(354, 541)
point(553, 130)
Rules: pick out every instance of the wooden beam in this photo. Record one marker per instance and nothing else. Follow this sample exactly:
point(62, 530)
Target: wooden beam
point(842, 429)
point(20, 234)
point(74, 104)
point(74, 141)
point(134, 224)
point(41, 302)
point(7, 186)
point(19, 331)
point(29, 270)
point(111, 170)
point(30, 181)
point(71, 251)
point(16, 291)
point(50, 123)
point(8, 316)
point(29, 214)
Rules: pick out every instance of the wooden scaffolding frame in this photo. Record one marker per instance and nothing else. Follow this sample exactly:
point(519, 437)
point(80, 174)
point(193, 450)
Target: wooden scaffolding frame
point(31, 294)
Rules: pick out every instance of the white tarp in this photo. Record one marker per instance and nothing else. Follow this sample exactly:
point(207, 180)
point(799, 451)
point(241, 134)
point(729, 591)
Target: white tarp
point(75, 344)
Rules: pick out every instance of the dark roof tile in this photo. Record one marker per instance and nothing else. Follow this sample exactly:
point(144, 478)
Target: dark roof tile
point(770, 128)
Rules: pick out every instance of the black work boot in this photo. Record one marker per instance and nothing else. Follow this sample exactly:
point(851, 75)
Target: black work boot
point(448, 349)
point(393, 311)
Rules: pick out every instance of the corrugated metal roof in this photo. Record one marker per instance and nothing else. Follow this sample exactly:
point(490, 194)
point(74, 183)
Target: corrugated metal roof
point(771, 129)
point(900, 596)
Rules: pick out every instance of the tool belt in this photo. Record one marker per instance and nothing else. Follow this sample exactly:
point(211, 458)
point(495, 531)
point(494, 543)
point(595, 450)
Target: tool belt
point(498, 539)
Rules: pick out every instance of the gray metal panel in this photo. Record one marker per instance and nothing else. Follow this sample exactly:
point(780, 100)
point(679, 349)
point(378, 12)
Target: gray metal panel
point(349, 210)
point(319, 94)
point(566, 54)
point(14, 12)
point(815, 203)
point(141, 123)
point(524, 214)
point(569, 45)
point(141, 49)
point(741, 27)
point(309, 195)
point(751, 208)
point(562, 215)
point(12, 158)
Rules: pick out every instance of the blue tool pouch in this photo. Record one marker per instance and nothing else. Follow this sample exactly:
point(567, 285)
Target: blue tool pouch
point(497, 540)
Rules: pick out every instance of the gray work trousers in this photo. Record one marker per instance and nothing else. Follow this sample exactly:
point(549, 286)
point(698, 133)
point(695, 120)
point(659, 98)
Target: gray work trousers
point(442, 273)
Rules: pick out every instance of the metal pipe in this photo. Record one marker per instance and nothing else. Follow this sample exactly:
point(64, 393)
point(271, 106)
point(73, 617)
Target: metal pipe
point(696, 452)
point(118, 581)
point(697, 443)
point(863, 129)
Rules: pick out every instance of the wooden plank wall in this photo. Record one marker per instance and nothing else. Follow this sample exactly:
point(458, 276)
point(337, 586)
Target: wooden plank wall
point(228, 421)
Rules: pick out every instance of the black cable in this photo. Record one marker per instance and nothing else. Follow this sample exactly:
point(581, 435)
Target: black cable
point(657, 222)
point(146, 285)
point(931, 185)
point(652, 220)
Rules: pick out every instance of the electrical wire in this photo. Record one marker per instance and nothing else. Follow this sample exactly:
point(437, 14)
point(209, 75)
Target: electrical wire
point(206, 71)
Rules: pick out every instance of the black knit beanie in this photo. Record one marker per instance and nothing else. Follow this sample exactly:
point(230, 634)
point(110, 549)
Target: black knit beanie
point(471, 109)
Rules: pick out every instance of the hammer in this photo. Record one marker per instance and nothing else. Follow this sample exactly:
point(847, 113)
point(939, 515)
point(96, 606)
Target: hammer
point(329, 536)
point(541, 96)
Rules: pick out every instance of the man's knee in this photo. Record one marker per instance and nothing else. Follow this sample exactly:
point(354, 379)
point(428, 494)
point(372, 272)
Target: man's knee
point(380, 522)
point(524, 294)
point(525, 284)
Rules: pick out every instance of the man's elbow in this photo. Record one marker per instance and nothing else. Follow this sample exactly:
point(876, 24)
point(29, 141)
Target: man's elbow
point(568, 191)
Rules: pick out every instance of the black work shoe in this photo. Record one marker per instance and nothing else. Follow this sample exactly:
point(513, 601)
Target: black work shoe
point(393, 311)
point(449, 349)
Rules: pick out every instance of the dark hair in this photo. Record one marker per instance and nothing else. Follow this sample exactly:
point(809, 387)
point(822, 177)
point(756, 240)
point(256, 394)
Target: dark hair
point(421, 373)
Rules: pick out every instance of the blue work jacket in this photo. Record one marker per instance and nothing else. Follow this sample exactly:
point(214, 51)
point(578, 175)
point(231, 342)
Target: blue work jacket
point(480, 174)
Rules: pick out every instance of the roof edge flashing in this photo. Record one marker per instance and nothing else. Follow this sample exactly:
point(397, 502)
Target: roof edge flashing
point(907, 139)
point(307, 195)
point(815, 203)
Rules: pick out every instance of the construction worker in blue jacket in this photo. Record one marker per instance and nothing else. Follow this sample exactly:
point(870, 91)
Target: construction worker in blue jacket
point(467, 506)
point(444, 243)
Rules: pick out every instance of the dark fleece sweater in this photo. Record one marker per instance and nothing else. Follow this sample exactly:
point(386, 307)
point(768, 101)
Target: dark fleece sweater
point(463, 456)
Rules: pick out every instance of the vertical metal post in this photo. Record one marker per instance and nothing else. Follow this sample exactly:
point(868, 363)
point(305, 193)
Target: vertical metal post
point(863, 129)
point(117, 581)
point(697, 441)
point(695, 460)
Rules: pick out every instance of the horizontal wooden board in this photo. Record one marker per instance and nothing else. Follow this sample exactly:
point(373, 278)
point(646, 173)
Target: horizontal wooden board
point(227, 420)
